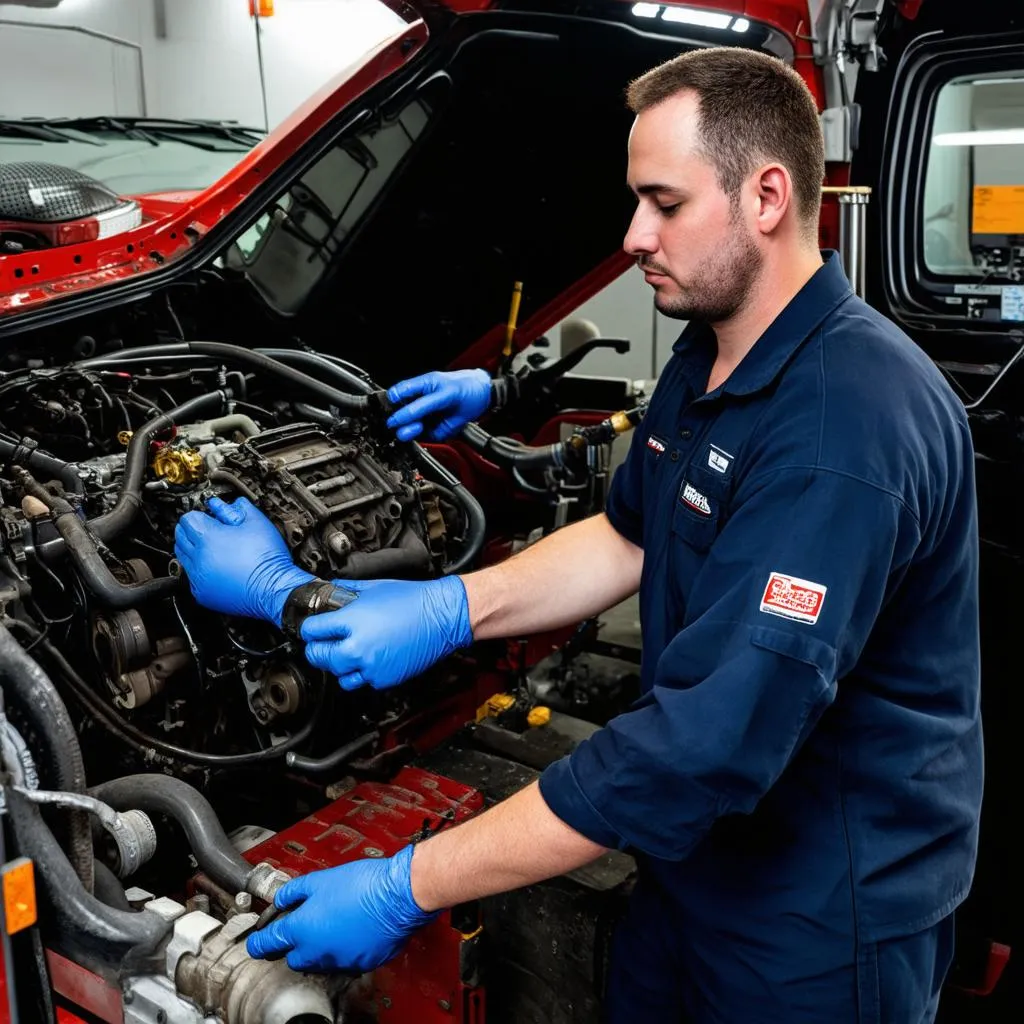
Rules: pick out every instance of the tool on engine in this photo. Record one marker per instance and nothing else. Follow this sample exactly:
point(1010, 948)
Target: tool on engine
point(608, 429)
point(513, 320)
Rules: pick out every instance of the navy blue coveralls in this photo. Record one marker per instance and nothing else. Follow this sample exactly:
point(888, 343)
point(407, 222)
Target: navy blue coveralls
point(801, 780)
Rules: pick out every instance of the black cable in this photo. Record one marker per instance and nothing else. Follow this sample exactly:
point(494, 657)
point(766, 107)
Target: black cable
point(347, 402)
point(146, 744)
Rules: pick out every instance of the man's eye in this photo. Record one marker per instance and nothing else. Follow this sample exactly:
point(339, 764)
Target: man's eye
point(667, 211)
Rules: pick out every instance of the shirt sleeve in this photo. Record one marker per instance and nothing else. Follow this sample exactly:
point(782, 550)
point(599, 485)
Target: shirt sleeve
point(779, 611)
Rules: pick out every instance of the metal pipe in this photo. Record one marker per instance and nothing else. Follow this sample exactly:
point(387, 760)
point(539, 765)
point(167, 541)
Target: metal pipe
point(853, 205)
point(335, 759)
point(105, 36)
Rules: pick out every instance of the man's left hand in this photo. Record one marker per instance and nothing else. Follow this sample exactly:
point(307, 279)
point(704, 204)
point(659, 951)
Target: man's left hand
point(350, 918)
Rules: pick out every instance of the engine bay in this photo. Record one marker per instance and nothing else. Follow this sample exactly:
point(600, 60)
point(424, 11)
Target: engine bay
point(169, 767)
point(104, 462)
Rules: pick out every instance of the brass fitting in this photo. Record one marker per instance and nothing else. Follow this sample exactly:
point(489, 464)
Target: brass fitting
point(178, 465)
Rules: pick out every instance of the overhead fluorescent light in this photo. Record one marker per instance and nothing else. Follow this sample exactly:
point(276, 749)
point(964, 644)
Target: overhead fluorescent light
point(646, 10)
point(994, 81)
point(740, 25)
point(993, 137)
point(691, 16)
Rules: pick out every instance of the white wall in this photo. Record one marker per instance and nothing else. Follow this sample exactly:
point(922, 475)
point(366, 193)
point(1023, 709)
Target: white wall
point(998, 106)
point(49, 71)
point(625, 309)
point(204, 63)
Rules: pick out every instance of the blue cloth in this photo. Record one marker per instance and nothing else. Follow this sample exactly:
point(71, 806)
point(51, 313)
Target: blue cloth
point(804, 767)
point(658, 978)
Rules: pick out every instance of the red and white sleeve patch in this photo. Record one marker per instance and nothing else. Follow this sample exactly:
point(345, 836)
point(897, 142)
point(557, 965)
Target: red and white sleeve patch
point(793, 598)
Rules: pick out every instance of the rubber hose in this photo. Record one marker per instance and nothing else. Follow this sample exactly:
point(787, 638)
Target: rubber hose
point(109, 889)
point(162, 794)
point(408, 555)
point(506, 452)
point(81, 548)
point(129, 500)
point(40, 704)
point(65, 472)
point(476, 523)
point(95, 933)
point(358, 404)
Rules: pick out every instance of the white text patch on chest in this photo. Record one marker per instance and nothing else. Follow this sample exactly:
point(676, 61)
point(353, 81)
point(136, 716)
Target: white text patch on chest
point(656, 444)
point(719, 460)
point(793, 598)
point(697, 501)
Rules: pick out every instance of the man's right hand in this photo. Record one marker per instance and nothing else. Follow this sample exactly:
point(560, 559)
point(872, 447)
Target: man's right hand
point(396, 630)
point(236, 561)
point(440, 404)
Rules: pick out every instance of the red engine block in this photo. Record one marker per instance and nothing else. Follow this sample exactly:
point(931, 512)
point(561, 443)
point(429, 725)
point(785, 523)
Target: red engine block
point(434, 979)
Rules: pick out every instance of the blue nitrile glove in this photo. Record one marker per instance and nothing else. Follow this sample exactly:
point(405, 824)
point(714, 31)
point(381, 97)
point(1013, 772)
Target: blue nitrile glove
point(350, 918)
point(440, 403)
point(236, 561)
point(397, 629)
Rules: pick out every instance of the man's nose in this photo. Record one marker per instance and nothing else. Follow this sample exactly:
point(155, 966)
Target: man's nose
point(641, 238)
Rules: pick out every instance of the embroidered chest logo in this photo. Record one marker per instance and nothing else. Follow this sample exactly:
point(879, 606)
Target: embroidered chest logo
point(697, 501)
point(793, 598)
point(719, 460)
point(656, 444)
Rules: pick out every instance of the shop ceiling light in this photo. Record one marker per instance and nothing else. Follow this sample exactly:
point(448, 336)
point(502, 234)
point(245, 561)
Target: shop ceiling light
point(994, 137)
point(691, 16)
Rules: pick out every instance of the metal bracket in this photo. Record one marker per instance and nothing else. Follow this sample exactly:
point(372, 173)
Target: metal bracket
point(189, 932)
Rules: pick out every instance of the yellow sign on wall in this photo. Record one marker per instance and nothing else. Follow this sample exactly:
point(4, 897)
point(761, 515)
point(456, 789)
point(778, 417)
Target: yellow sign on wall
point(998, 210)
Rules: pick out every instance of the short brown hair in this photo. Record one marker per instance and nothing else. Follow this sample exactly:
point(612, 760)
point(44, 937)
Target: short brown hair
point(753, 108)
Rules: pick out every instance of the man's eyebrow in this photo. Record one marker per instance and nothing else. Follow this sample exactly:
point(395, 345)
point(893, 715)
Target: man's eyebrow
point(651, 189)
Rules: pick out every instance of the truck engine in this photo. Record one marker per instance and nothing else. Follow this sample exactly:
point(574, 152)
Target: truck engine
point(157, 754)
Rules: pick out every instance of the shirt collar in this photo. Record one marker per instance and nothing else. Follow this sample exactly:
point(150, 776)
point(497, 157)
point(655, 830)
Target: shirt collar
point(822, 293)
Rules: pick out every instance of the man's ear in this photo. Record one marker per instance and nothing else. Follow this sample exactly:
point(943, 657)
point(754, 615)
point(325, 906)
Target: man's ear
point(774, 195)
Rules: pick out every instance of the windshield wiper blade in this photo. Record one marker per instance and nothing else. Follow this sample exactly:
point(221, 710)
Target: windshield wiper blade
point(150, 127)
point(124, 125)
point(29, 130)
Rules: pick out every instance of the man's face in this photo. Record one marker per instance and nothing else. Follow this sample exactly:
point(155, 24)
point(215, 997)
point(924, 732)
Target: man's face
point(693, 242)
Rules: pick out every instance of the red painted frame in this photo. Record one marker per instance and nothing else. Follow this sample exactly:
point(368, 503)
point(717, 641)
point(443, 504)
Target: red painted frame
point(29, 280)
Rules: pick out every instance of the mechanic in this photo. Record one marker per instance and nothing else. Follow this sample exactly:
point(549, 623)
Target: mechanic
point(800, 782)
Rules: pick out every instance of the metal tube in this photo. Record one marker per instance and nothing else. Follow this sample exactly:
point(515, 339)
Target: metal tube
point(853, 205)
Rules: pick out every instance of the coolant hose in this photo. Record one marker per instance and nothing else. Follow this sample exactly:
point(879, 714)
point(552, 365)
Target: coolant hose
point(109, 889)
point(129, 500)
point(162, 794)
point(476, 523)
point(40, 704)
point(65, 472)
point(82, 550)
point(94, 932)
point(506, 452)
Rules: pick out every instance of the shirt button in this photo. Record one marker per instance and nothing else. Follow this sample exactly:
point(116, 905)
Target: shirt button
point(674, 456)
point(686, 433)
